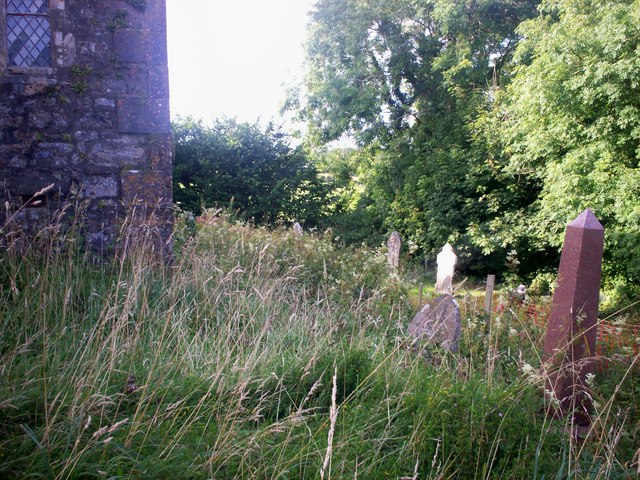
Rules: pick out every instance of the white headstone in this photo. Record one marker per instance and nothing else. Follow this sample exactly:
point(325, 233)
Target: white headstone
point(393, 249)
point(297, 229)
point(447, 260)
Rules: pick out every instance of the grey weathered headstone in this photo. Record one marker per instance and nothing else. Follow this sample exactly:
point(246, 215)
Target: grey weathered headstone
point(438, 323)
point(297, 229)
point(447, 260)
point(393, 249)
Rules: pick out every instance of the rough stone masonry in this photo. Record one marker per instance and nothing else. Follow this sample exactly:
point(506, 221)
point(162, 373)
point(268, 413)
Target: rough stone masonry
point(84, 105)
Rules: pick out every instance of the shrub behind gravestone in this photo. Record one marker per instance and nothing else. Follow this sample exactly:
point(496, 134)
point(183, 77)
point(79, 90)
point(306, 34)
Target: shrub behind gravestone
point(542, 284)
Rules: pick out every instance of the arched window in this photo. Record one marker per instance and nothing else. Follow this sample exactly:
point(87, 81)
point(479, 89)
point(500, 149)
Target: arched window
point(28, 33)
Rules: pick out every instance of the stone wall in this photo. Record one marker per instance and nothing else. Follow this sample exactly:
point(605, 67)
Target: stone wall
point(95, 124)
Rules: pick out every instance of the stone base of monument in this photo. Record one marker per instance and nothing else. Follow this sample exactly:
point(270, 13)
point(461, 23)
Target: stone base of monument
point(567, 390)
point(437, 323)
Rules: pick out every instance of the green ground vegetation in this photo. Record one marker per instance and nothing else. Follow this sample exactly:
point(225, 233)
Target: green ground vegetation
point(261, 354)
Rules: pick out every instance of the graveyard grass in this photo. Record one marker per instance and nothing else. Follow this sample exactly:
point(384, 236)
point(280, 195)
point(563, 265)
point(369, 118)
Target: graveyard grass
point(261, 354)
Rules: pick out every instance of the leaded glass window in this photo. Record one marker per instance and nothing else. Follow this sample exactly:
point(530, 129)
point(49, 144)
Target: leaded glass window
point(28, 33)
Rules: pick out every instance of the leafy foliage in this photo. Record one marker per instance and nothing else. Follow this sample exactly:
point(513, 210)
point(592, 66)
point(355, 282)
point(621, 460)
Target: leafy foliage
point(569, 124)
point(379, 67)
point(489, 124)
point(353, 217)
point(406, 78)
point(240, 166)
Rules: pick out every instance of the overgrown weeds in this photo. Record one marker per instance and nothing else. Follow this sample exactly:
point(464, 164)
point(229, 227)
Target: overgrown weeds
point(261, 354)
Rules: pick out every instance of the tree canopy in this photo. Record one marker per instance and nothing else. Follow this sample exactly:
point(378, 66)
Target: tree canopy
point(488, 123)
point(569, 123)
point(241, 166)
point(377, 67)
point(408, 78)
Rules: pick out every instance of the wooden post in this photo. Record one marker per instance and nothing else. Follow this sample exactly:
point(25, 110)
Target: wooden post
point(488, 296)
point(420, 297)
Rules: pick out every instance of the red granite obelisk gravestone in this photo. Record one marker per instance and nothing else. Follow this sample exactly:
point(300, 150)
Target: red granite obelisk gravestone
point(570, 340)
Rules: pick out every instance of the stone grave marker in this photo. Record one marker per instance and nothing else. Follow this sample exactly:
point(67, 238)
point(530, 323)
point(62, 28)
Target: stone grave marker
point(570, 339)
point(297, 229)
point(393, 249)
point(447, 260)
point(438, 323)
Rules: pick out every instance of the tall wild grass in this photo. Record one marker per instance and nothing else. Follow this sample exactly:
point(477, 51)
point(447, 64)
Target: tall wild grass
point(259, 354)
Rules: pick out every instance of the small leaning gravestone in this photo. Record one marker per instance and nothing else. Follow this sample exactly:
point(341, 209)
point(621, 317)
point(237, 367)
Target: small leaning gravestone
point(438, 324)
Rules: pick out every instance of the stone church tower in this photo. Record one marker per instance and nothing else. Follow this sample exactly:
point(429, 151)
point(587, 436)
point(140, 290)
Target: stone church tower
point(84, 105)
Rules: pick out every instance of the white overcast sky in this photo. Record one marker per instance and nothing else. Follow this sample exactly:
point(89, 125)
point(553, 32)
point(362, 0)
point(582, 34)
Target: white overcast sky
point(234, 57)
